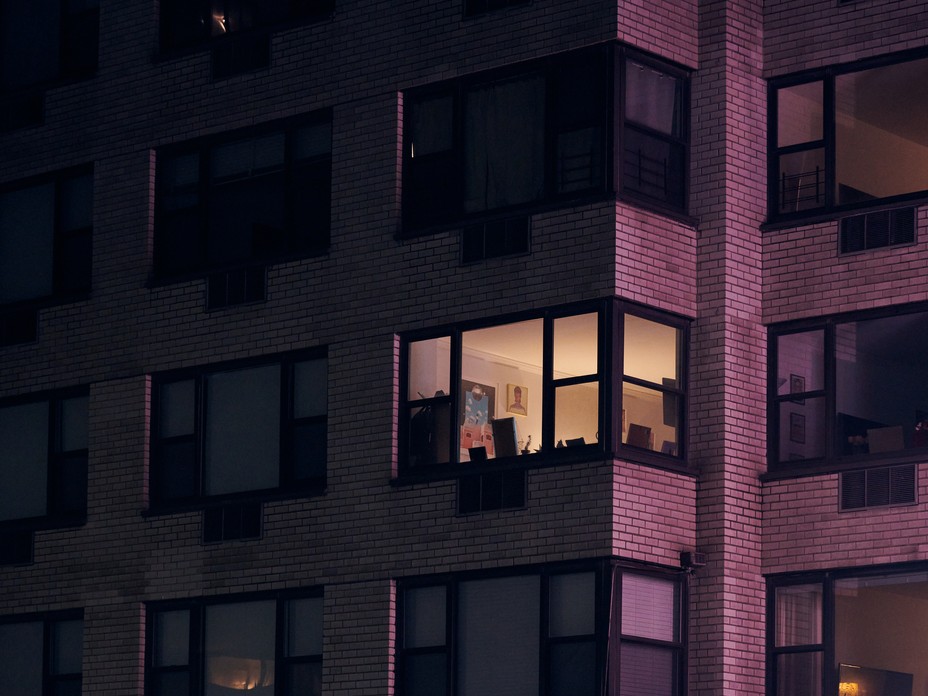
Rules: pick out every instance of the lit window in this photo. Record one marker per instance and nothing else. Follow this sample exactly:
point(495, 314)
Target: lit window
point(503, 390)
point(42, 656)
point(848, 389)
point(512, 634)
point(43, 470)
point(845, 614)
point(228, 431)
point(245, 199)
point(279, 653)
point(842, 143)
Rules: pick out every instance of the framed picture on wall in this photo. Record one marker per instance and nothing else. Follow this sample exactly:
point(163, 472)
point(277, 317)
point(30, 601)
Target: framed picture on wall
point(479, 406)
point(797, 428)
point(797, 385)
point(517, 399)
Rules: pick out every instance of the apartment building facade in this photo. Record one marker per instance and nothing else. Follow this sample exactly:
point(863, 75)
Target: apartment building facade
point(470, 347)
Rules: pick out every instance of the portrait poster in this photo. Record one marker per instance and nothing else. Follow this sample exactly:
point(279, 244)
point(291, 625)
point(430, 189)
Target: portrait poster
point(479, 406)
point(517, 399)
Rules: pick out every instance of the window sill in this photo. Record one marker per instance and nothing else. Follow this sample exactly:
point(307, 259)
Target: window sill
point(653, 207)
point(819, 467)
point(156, 509)
point(35, 524)
point(159, 279)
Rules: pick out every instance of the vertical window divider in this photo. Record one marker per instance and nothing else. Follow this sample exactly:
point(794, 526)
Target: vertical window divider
point(456, 396)
point(547, 382)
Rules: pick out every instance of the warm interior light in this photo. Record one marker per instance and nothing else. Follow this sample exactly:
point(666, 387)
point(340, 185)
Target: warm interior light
point(221, 21)
point(240, 673)
point(848, 689)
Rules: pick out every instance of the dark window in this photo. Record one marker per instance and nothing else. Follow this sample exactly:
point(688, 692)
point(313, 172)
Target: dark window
point(848, 389)
point(228, 202)
point(46, 229)
point(232, 430)
point(42, 655)
point(504, 141)
point(876, 230)
point(42, 42)
point(232, 521)
point(495, 238)
point(475, 7)
point(869, 622)
point(888, 485)
point(547, 632)
point(848, 137)
point(43, 470)
point(538, 384)
point(494, 490)
point(193, 22)
point(199, 648)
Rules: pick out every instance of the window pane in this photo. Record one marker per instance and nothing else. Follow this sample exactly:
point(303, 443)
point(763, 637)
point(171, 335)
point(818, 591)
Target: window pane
point(649, 607)
point(242, 430)
point(177, 408)
point(576, 345)
point(498, 637)
point(424, 611)
point(573, 669)
point(24, 465)
point(67, 647)
point(172, 638)
point(429, 368)
point(577, 414)
point(27, 227)
point(648, 670)
point(880, 629)
point(179, 177)
point(801, 183)
point(501, 357)
point(309, 450)
point(310, 387)
point(802, 429)
point(651, 350)
point(21, 659)
point(76, 203)
point(504, 144)
point(654, 167)
point(426, 675)
point(650, 419)
point(304, 679)
point(880, 135)
point(578, 115)
point(799, 615)
point(652, 98)
point(312, 141)
point(304, 627)
point(172, 684)
point(800, 362)
point(799, 674)
point(799, 114)
point(879, 376)
point(29, 34)
point(571, 605)
point(176, 474)
point(431, 126)
point(74, 423)
point(247, 158)
point(239, 646)
point(430, 434)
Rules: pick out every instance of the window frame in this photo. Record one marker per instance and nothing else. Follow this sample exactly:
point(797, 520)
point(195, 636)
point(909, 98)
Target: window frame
point(607, 616)
point(826, 580)
point(612, 125)
point(609, 379)
point(316, 243)
point(830, 209)
point(831, 460)
point(59, 294)
point(288, 484)
point(49, 621)
point(54, 516)
point(196, 609)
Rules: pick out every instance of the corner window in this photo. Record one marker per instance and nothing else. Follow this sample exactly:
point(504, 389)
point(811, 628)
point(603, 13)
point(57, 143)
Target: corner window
point(43, 470)
point(546, 632)
point(244, 199)
point(233, 430)
point(848, 389)
point(193, 22)
point(538, 385)
point(848, 137)
point(46, 229)
point(819, 618)
point(42, 42)
point(43, 655)
point(503, 142)
point(199, 648)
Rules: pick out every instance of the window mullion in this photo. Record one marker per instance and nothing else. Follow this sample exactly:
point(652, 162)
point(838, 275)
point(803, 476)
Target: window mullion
point(547, 384)
point(829, 132)
point(457, 359)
